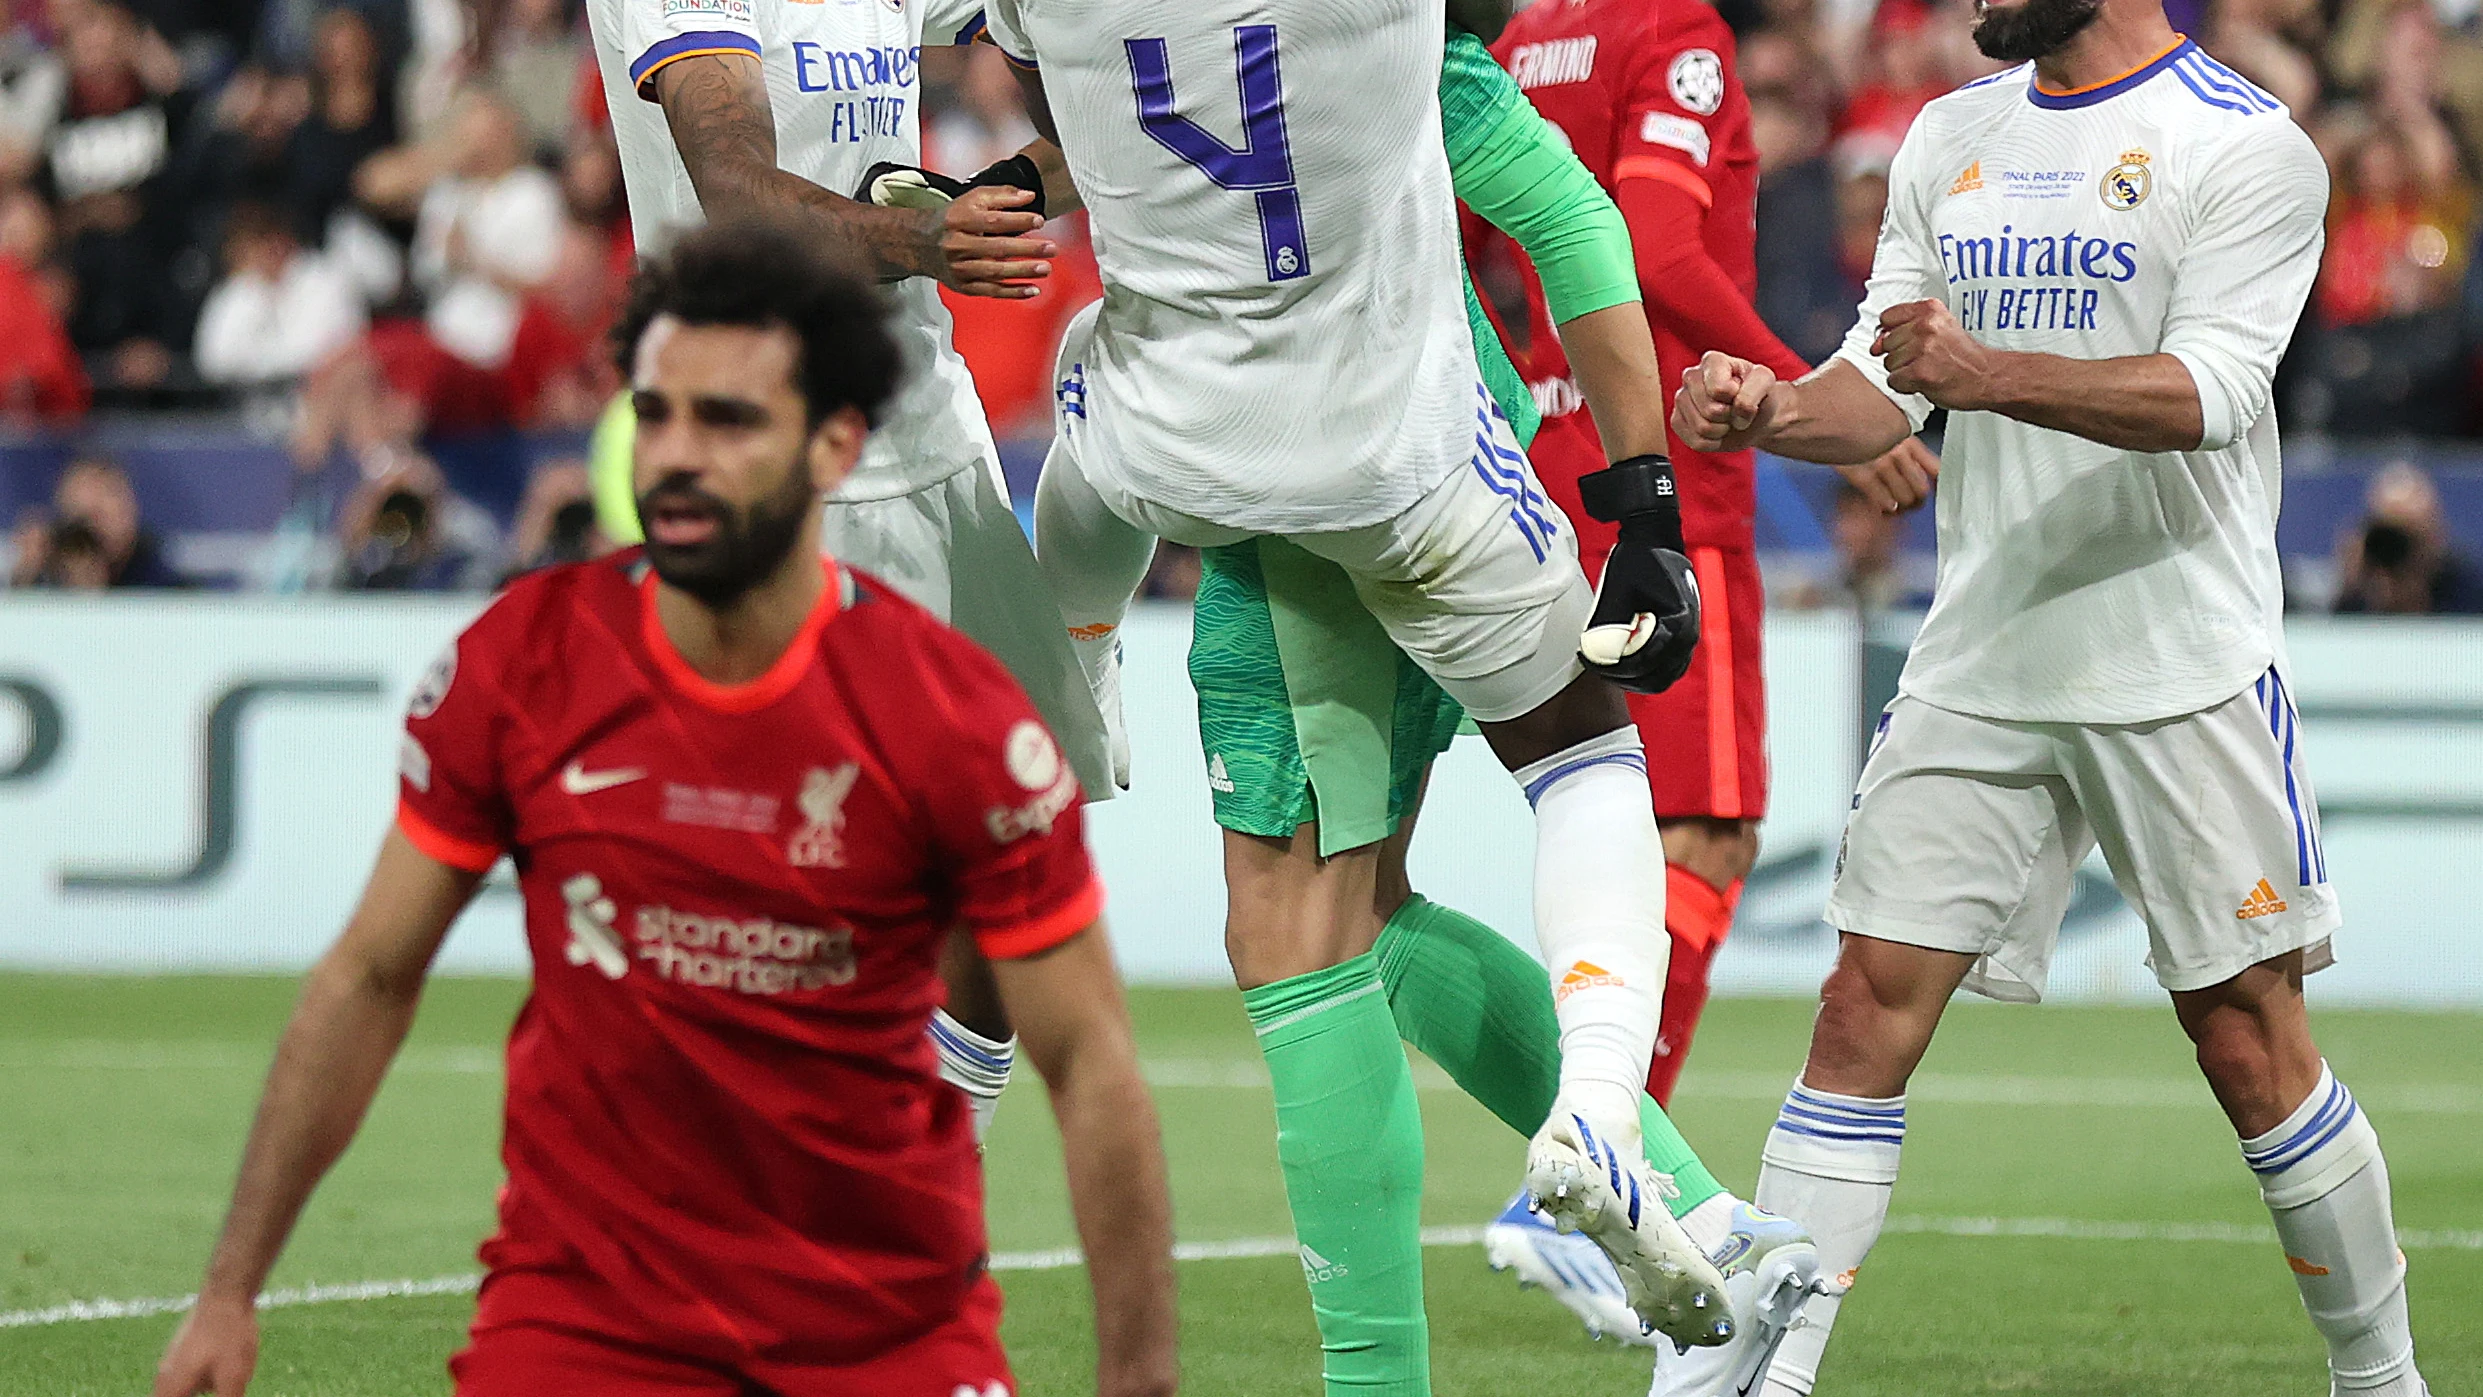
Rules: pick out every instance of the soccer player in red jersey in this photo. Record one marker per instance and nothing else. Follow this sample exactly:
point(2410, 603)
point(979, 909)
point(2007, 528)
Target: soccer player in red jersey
point(1647, 94)
point(747, 796)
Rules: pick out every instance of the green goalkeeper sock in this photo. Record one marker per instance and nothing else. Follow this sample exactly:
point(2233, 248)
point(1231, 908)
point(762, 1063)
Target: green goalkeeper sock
point(1482, 1009)
point(1350, 1138)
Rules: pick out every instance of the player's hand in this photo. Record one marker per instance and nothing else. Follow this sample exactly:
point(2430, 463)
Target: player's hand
point(1898, 481)
point(1728, 404)
point(986, 247)
point(214, 1351)
point(1644, 627)
point(1928, 352)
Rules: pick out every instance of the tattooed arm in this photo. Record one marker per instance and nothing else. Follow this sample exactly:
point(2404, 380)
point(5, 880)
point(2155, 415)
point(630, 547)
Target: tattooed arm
point(716, 105)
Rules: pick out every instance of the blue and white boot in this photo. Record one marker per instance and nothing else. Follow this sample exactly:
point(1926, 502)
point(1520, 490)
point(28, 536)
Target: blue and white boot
point(1771, 1270)
point(1596, 1183)
point(1570, 1268)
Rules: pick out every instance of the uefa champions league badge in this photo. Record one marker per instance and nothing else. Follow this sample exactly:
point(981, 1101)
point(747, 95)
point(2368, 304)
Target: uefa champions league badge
point(2125, 186)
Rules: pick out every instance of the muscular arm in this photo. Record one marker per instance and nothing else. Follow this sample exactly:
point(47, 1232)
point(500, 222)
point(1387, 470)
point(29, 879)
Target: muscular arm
point(716, 106)
point(1516, 172)
point(355, 1008)
point(1835, 416)
point(1074, 1027)
point(2145, 402)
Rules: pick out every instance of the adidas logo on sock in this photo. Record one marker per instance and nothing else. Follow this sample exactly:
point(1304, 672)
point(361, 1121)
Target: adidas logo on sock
point(1318, 1268)
point(2262, 902)
point(1217, 777)
point(1583, 975)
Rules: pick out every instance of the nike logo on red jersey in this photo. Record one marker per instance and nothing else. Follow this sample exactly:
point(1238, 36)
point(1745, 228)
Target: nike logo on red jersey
point(578, 781)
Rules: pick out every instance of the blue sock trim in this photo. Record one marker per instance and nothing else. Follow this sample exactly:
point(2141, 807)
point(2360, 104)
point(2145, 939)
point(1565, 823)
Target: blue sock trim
point(2336, 1111)
point(952, 1044)
point(1819, 1117)
point(1636, 761)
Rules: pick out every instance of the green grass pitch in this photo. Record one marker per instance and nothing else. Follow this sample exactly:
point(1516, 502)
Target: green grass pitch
point(2127, 1257)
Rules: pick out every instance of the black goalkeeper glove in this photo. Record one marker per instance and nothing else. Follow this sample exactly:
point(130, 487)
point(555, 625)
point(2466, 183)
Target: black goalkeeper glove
point(1645, 624)
point(894, 186)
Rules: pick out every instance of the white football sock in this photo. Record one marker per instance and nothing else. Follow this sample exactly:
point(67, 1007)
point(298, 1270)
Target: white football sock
point(1830, 1164)
point(1599, 917)
point(1710, 1222)
point(975, 1065)
point(1092, 558)
point(2327, 1188)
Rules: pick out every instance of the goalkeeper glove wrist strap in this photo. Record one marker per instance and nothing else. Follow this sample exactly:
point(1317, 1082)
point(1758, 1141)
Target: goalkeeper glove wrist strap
point(1639, 495)
point(1016, 172)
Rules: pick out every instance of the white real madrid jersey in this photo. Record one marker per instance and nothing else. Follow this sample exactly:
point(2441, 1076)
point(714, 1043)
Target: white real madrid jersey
point(2175, 210)
point(843, 78)
point(1282, 345)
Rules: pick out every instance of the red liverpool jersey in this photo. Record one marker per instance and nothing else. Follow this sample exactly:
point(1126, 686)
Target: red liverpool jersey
point(721, 1100)
point(1646, 89)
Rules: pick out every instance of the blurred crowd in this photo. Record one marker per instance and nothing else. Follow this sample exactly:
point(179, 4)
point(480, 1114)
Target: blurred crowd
point(371, 226)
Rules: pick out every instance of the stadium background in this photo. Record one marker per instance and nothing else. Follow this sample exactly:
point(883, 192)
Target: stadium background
point(300, 318)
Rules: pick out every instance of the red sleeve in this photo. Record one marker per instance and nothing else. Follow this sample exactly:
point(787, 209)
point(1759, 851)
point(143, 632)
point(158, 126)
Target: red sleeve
point(1004, 808)
point(1671, 121)
point(450, 800)
point(1685, 290)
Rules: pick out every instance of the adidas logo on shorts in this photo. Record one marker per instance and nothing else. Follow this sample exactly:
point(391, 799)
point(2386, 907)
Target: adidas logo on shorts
point(1217, 777)
point(2262, 902)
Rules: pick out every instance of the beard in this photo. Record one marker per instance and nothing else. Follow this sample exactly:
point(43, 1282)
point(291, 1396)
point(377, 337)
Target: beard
point(746, 547)
point(2031, 30)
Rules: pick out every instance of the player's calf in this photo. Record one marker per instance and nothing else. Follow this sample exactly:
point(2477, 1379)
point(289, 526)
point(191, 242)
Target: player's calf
point(2319, 1167)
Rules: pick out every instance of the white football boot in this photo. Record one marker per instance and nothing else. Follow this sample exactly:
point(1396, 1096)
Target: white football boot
point(1572, 1269)
point(1579, 1180)
point(1771, 1271)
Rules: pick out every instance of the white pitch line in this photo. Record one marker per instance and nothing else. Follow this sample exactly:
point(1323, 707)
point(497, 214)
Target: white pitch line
point(79, 1310)
point(1065, 1258)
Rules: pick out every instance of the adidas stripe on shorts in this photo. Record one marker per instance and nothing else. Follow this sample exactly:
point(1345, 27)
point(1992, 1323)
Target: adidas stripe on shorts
point(1966, 835)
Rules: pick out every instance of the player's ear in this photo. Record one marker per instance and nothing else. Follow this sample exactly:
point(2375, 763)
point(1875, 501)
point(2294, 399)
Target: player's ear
point(835, 444)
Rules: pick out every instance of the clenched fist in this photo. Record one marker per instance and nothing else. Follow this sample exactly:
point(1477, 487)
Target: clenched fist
point(1929, 353)
point(1728, 404)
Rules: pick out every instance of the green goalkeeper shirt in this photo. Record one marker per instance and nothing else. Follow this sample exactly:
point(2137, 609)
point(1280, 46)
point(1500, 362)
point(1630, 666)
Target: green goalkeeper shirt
point(1511, 167)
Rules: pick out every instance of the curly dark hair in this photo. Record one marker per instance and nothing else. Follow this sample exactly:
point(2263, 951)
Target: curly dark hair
point(766, 271)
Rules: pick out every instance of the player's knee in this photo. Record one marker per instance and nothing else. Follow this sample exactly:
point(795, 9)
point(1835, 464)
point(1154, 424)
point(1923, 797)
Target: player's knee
point(1277, 926)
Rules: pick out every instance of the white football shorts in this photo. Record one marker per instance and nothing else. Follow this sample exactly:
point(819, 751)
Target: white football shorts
point(1477, 582)
point(955, 548)
point(1966, 835)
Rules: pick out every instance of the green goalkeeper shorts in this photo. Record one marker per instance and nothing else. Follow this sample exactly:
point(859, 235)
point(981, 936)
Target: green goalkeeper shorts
point(1306, 711)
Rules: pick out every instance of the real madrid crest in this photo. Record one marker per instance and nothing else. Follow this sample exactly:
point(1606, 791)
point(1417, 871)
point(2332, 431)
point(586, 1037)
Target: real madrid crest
point(2125, 185)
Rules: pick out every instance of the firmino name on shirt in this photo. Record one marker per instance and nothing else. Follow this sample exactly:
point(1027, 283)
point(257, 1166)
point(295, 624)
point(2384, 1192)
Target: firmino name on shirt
point(2044, 273)
point(869, 82)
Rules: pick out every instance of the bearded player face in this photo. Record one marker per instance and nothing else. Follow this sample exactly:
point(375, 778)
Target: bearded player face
point(728, 468)
point(2028, 29)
